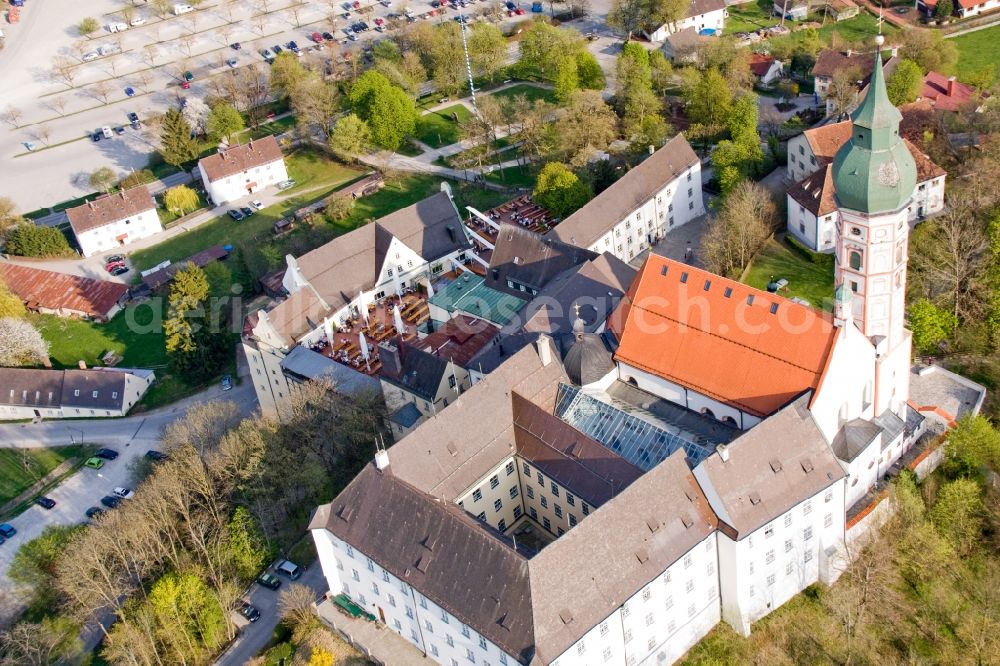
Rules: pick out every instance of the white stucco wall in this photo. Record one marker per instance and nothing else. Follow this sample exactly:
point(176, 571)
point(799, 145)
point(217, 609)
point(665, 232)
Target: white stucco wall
point(847, 388)
point(238, 185)
point(110, 236)
point(714, 19)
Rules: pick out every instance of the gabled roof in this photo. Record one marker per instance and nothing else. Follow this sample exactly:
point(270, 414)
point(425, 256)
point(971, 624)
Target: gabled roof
point(298, 314)
point(815, 192)
point(947, 93)
point(110, 208)
point(760, 64)
point(459, 339)
point(421, 373)
point(742, 346)
point(628, 193)
point(48, 290)
point(773, 467)
point(825, 141)
point(239, 158)
point(530, 259)
point(699, 7)
point(30, 387)
point(439, 549)
point(831, 61)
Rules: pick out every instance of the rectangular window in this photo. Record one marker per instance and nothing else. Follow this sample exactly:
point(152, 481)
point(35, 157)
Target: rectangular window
point(807, 556)
point(788, 520)
point(604, 628)
point(385, 575)
point(807, 507)
point(788, 545)
point(649, 619)
point(530, 491)
point(423, 602)
point(770, 579)
point(449, 640)
point(494, 482)
point(607, 654)
point(477, 495)
point(375, 589)
point(470, 655)
point(434, 650)
point(513, 492)
point(444, 616)
point(545, 502)
point(497, 505)
point(558, 510)
point(534, 514)
point(555, 490)
point(546, 523)
point(670, 602)
point(482, 642)
point(570, 499)
point(646, 594)
point(788, 569)
point(807, 533)
point(541, 479)
point(572, 520)
point(502, 525)
point(769, 557)
point(769, 531)
point(481, 516)
point(517, 511)
point(689, 586)
point(828, 520)
point(526, 469)
point(510, 468)
point(687, 560)
point(585, 508)
point(428, 626)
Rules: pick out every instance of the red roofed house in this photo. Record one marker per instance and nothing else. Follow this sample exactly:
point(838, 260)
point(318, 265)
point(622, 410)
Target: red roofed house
point(64, 295)
point(114, 220)
point(238, 171)
point(812, 208)
point(946, 93)
point(963, 8)
point(766, 68)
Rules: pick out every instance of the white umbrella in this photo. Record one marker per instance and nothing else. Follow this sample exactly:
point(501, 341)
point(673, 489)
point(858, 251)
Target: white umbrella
point(397, 319)
point(363, 306)
point(364, 346)
point(430, 289)
point(328, 328)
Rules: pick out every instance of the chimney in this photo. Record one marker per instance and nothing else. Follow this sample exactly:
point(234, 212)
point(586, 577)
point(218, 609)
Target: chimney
point(544, 345)
point(951, 86)
point(251, 145)
point(82, 364)
point(723, 451)
point(91, 204)
point(392, 360)
point(652, 149)
point(381, 459)
point(894, 50)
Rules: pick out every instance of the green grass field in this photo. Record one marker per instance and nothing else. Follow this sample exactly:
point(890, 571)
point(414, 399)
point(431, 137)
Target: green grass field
point(978, 50)
point(136, 334)
point(514, 177)
point(750, 17)
point(437, 128)
point(315, 178)
point(528, 90)
point(861, 28)
point(20, 468)
point(810, 280)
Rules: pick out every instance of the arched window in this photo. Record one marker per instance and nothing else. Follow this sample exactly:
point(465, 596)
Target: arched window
point(707, 412)
point(729, 420)
point(631, 380)
point(855, 260)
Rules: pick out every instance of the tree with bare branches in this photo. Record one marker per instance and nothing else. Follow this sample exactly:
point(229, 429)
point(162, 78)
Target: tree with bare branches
point(13, 115)
point(64, 70)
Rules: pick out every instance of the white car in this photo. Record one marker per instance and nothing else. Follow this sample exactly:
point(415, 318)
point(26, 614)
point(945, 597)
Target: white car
point(285, 184)
point(124, 493)
point(138, 20)
point(91, 55)
point(257, 204)
point(106, 131)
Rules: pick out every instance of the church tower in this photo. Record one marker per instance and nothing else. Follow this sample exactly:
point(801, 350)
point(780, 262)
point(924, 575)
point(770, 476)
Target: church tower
point(874, 177)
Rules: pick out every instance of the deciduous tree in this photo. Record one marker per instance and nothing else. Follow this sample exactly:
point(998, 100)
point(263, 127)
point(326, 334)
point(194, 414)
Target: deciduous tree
point(905, 83)
point(224, 122)
point(103, 179)
point(28, 240)
point(744, 224)
point(350, 137)
point(21, 344)
point(88, 26)
point(180, 200)
point(391, 115)
point(560, 190)
point(929, 324)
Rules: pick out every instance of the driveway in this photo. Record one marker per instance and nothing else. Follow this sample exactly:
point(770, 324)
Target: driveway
point(130, 436)
point(253, 637)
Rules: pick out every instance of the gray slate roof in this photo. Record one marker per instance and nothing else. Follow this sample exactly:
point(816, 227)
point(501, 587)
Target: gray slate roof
point(588, 359)
point(530, 259)
point(854, 438)
point(774, 466)
point(421, 372)
point(603, 212)
point(406, 416)
point(27, 387)
point(306, 364)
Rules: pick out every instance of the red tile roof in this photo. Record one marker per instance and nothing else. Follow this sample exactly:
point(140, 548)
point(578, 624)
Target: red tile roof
point(459, 339)
point(825, 141)
point(946, 93)
point(742, 346)
point(48, 290)
point(237, 159)
point(816, 192)
point(110, 208)
point(760, 64)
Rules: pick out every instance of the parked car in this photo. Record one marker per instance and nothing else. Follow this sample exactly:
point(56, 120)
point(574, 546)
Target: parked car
point(94, 512)
point(188, 76)
point(317, 37)
point(235, 214)
point(249, 612)
point(106, 131)
point(227, 383)
point(96, 136)
point(45, 502)
point(186, 85)
point(328, 37)
point(277, 49)
point(133, 119)
point(7, 530)
point(257, 204)
point(156, 456)
point(268, 581)
point(119, 130)
point(94, 463)
point(90, 55)
point(119, 270)
point(247, 211)
point(236, 46)
point(285, 184)
point(266, 53)
point(111, 501)
point(124, 493)
point(130, 92)
point(107, 454)
point(115, 258)
point(232, 62)
point(289, 569)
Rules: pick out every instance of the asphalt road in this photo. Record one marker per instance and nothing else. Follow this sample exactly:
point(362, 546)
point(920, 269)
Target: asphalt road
point(130, 436)
point(253, 637)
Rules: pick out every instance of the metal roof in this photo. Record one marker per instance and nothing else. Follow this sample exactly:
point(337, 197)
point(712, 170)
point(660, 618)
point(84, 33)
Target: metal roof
point(470, 294)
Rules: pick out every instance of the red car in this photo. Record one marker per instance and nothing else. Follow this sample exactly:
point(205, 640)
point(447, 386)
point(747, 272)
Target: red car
point(380, 21)
point(113, 265)
point(316, 37)
point(185, 84)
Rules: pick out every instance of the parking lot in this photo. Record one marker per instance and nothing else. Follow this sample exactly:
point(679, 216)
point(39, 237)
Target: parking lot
point(63, 87)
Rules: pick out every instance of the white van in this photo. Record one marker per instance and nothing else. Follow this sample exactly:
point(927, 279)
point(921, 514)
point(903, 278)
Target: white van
point(117, 27)
point(138, 20)
point(182, 8)
point(289, 569)
point(106, 131)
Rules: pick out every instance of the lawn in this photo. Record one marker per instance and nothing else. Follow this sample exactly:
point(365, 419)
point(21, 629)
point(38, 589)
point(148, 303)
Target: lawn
point(437, 128)
point(861, 28)
point(315, 178)
point(20, 468)
point(135, 334)
point(811, 280)
point(514, 177)
point(166, 216)
point(528, 90)
point(276, 126)
point(750, 17)
point(978, 50)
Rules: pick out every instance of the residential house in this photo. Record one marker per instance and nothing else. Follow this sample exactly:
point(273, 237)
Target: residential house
point(27, 393)
point(830, 62)
point(811, 200)
point(62, 294)
point(417, 384)
point(706, 17)
point(114, 220)
point(841, 10)
point(660, 194)
point(241, 170)
point(766, 68)
point(962, 8)
point(682, 46)
point(792, 10)
point(523, 262)
point(946, 93)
